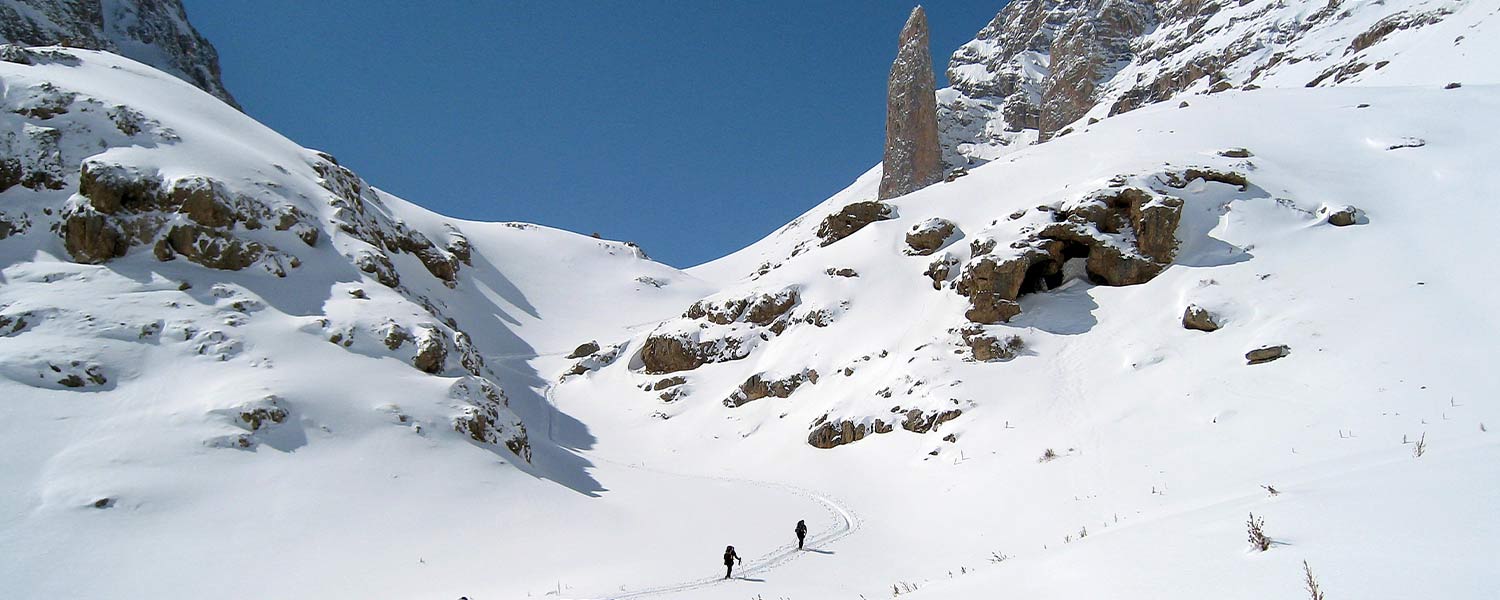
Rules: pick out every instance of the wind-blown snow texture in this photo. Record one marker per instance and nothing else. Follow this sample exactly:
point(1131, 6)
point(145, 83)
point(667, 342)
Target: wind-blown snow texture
point(260, 429)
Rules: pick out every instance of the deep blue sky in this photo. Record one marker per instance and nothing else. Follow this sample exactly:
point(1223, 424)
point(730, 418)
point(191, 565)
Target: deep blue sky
point(692, 128)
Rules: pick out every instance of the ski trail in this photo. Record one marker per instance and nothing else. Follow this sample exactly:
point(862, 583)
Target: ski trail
point(845, 522)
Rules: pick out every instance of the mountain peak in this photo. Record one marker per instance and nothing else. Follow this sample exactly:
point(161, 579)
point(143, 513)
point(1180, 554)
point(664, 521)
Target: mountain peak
point(913, 158)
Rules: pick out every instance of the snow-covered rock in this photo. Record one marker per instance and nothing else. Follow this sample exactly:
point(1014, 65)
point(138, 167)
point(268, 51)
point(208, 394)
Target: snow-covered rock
point(155, 32)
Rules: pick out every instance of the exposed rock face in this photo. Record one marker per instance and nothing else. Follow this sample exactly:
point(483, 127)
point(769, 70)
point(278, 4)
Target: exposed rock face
point(759, 386)
point(665, 354)
point(852, 218)
point(432, 350)
point(1088, 51)
point(1266, 354)
point(1197, 317)
point(485, 417)
point(92, 239)
point(1125, 234)
point(118, 207)
point(917, 421)
point(155, 32)
point(726, 328)
point(1035, 67)
point(913, 156)
point(361, 212)
point(827, 434)
point(1042, 65)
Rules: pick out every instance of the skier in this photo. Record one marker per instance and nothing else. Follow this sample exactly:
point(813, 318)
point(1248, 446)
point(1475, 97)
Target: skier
point(729, 559)
point(801, 533)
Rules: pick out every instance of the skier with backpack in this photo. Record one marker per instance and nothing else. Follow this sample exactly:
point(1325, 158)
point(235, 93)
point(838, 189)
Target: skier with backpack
point(729, 559)
point(801, 533)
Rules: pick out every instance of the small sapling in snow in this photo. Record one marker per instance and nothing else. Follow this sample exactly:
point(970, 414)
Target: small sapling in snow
point(1313, 591)
point(1255, 528)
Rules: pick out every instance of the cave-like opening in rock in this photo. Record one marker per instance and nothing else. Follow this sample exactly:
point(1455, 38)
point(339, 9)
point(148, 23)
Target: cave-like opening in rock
point(1047, 273)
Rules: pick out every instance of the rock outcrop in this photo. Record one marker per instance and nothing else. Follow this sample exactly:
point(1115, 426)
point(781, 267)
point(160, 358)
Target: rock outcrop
point(155, 32)
point(197, 218)
point(913, 155)
point(852, 218)
point(988, 347)
point(828, 434)
point(762, 386)
point(1125, 235)
point(724, 329)
point(929, 236)
point(485, 417)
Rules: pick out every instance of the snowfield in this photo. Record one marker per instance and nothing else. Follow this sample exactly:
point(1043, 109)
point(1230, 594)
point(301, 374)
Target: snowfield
point(284, 430)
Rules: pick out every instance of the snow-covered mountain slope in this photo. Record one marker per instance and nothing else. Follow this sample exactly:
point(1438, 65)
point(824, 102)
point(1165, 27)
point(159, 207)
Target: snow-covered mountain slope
point(1016, 359)
point(1162, 434)
point(155, 32)
point(1043, 68)
point(230, 367)
point(216, 339)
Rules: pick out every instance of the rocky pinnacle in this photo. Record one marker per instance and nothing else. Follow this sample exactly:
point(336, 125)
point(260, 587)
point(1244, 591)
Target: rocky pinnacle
point(913, 158)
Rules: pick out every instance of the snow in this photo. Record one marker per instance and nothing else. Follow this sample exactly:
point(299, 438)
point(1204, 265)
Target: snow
point(1163, 435)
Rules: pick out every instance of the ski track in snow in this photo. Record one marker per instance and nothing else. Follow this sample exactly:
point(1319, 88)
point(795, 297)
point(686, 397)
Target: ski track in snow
point(845, 523)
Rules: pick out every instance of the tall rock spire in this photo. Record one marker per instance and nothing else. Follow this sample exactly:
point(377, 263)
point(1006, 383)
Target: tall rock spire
point(913, 158)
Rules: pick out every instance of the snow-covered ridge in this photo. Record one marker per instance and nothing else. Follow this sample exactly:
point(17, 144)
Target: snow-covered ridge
point(206, 295)
point(155, 32)
point(1042, 68)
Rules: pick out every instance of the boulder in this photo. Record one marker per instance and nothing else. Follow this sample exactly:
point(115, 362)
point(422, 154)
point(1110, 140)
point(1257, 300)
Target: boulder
point(1343, 217)
point(669, 354)
point(1197, 317)
point(929, 236)
point(986, 347)
point(939, 270)
point(432, 350)
point(850, 219)
point(768, 308)
point(1266, 354)
point(585, 349)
